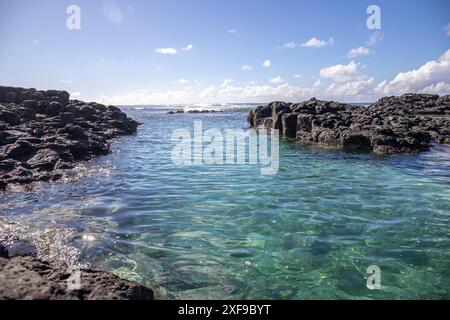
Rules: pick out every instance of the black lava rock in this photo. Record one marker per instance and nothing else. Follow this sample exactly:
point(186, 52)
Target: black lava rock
point(25, 277)
point(43, 133)
point(404, 124)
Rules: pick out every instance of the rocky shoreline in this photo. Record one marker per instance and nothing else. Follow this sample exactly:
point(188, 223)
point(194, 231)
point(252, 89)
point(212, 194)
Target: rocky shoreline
point(25, 277)
point(44, 133)
point(404, 124)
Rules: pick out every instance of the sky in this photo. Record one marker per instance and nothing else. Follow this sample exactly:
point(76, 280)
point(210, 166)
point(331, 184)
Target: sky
point(224, 51)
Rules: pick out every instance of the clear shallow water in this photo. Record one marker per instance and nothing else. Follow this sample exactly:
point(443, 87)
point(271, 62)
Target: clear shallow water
point(227, 232)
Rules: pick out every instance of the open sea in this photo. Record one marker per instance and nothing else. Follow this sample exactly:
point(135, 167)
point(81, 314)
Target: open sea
point(227, 232)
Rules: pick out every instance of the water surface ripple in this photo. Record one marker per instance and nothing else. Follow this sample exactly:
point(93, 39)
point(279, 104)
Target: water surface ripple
point(227, 232)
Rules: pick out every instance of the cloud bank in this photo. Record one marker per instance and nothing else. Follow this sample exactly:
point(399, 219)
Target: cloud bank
point(343, 82)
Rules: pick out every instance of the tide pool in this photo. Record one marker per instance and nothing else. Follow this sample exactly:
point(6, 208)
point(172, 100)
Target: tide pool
point(228, 232)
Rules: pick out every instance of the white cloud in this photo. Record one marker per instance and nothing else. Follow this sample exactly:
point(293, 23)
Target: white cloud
point(259, 93)
point(348, 83)
point(112, 12)
point(433, 76)
point(267, 63)
point(316, 43)
point(225, 92)
point(447, 29)
point(290, 45)
point(189, 47)
point(226, 82)
point(143, 97)
point(67, 81)
point(36, 41)
point(207, 93)
point(231, 31)
point(356, 52)
point(375, 38)
point(75, 94)
point(342, 72)
point(172, 51)
point(181, 81)
point(277, 80)
point(296, 76)
point(440, 88)
point(166, 51)
point(246, 67)
point(351, 88)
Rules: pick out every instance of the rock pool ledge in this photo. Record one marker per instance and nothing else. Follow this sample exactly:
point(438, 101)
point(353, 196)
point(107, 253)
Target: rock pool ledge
point(404, 124)
point(44, 133)
point(25, 277)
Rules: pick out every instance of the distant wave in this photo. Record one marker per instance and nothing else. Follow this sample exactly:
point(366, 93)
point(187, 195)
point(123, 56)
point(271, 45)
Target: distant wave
point(222, 107)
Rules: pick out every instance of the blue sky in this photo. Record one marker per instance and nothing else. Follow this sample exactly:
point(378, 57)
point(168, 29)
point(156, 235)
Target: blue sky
point(200, 51)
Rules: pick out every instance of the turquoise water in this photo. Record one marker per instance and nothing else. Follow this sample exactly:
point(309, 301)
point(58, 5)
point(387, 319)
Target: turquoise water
point(227, 232)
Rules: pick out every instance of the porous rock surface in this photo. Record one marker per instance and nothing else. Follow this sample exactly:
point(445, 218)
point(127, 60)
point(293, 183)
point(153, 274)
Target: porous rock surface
point(403, 124)
point(25, 277)
point(43, 133)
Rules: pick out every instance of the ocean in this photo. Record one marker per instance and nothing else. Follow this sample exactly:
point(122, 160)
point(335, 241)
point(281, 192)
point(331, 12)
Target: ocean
point(228, 232)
